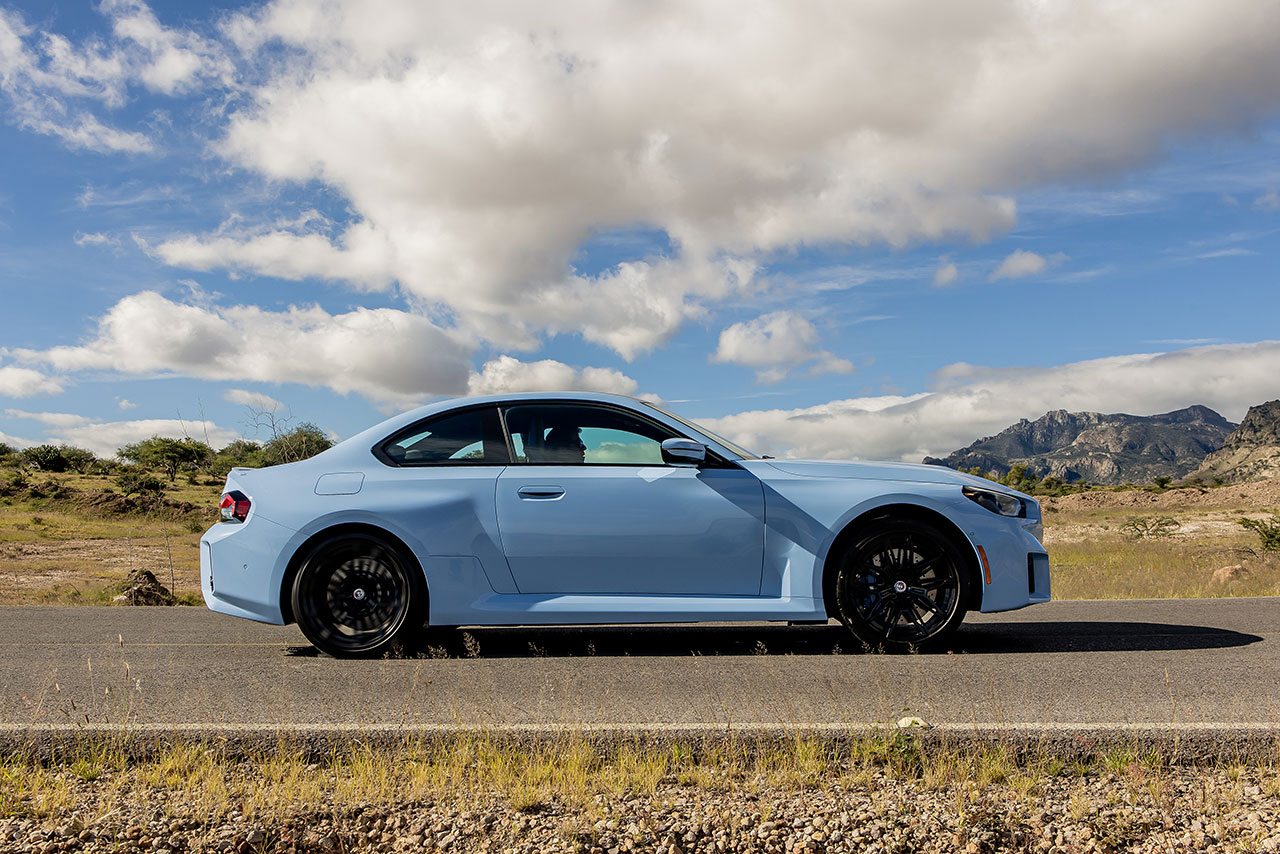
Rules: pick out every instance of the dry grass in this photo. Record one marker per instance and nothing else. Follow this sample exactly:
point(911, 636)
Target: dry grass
point(1094, 558)
point(1114, 568)
point(572, 771)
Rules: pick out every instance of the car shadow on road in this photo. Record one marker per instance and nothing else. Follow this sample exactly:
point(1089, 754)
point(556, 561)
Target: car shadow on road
point(832, 639)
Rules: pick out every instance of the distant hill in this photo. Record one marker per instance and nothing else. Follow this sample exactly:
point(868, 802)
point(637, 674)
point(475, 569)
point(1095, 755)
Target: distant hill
point(1251, 452)
point(1104, 449)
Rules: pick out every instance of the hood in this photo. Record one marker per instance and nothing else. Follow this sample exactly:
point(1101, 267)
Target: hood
point(866, 470)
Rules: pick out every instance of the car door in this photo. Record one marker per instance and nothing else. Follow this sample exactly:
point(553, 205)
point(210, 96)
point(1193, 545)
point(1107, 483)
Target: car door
point(589, 507)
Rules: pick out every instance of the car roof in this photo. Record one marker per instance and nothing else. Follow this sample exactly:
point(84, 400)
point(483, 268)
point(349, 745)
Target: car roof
point(519, 397)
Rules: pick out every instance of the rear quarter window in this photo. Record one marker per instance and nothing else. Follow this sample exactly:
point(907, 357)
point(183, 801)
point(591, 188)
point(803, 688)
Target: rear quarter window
point(470, 437)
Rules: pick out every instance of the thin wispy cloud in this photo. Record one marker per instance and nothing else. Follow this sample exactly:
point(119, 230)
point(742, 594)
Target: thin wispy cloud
point(1233, 252)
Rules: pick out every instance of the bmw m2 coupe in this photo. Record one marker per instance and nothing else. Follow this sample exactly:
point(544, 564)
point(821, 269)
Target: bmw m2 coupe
point(541, 509)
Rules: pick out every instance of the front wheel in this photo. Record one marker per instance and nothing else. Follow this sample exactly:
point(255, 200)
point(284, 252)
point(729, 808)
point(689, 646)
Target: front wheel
point(355, 595)
point(902, 584)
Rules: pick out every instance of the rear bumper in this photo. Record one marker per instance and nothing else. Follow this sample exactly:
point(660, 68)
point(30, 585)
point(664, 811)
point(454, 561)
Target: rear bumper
point(241, 569)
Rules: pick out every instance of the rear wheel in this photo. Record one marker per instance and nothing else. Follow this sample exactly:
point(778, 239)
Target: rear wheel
point(902, 584)
point(356, 594)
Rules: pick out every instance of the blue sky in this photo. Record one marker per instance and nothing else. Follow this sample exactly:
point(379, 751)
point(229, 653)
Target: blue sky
point(883, 235)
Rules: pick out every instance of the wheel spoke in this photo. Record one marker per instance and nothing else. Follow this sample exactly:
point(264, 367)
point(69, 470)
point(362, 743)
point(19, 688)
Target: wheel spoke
point(926, 564)
point(938, 582)
point(914, 616)
point(878, 605)
point(924, 601)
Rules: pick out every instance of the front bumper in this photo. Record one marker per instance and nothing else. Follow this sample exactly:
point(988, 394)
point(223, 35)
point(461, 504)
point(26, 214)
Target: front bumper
point(1018, 563)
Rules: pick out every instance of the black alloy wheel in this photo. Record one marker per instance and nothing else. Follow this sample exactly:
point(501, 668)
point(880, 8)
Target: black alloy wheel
point(902, 584)
point(355, 595)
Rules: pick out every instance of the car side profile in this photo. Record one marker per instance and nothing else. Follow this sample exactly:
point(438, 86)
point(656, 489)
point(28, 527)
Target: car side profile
point(579, 508)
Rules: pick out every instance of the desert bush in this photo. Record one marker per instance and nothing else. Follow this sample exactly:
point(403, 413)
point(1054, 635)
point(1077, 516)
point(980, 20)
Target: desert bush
point(303, 441)
point(103, 468)
point(168, 455)
point(135, 480)
point(1149, 527)
point(1268, 530)
point(44, 458)
point(79, 460)
point(14, 482)
point(241, 452)
point(48, 489)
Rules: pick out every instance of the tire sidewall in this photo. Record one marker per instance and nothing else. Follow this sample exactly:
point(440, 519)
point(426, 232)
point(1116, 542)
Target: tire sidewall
point(308, 576)
point(870, 639)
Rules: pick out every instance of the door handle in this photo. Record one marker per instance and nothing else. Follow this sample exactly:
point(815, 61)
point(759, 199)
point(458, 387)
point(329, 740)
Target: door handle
point(540, 491)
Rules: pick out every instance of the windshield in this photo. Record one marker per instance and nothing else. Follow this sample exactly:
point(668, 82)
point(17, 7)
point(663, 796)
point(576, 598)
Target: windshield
point(740, 451)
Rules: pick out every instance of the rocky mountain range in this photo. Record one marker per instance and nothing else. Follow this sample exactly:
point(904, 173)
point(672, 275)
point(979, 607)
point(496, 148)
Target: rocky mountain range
point(1251, 452)
point(1098, 448)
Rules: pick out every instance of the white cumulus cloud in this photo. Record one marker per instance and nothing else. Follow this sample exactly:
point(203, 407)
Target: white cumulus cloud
point(16, 441)
point(56, 87)
point(775, 343)
point(508, 374)
point(480, 145)
point(973, 401)
point(26, 382)
point(253, 399)
point(95, 239)
point(105, 437)
point(1020, 263)
point(51, 419)
point(383, 354)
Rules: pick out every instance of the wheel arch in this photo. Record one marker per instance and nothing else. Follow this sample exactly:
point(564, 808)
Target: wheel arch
point(295, 560)
point(917, 512)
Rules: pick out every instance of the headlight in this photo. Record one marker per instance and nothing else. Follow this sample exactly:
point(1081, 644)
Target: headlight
point(996, 502)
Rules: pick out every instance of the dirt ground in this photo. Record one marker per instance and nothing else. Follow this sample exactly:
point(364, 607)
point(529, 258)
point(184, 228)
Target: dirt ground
point(1260, 497)
point(32, 570)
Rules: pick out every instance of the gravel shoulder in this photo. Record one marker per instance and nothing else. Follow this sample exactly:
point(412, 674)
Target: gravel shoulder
point(1130, 807)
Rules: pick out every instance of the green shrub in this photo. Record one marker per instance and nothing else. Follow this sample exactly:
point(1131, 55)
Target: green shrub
point(44, 458)
point(1266, 529)
point(168, 455)
point(135, 480)
point(1149, 527)
point(305, 440)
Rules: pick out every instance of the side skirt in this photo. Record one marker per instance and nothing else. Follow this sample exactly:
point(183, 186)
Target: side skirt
point(501, 609)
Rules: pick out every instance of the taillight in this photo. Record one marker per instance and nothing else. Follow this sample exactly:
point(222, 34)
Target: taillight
point(234, 506)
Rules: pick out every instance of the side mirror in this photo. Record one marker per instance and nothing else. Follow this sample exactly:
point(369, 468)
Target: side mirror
point(683, 452)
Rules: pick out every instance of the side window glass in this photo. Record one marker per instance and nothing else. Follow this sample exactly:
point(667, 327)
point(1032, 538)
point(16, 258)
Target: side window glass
point(470, 437)
point(567, 434)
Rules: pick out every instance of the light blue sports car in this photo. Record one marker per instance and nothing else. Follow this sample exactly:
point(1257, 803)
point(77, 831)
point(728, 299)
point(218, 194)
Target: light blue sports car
point(561, 508)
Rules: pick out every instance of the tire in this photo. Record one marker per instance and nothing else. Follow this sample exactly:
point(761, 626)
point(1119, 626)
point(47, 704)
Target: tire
point(902, 585)
point(356, 594)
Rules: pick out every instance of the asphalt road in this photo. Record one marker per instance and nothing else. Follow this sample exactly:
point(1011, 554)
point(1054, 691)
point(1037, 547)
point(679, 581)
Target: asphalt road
point(1187, 663)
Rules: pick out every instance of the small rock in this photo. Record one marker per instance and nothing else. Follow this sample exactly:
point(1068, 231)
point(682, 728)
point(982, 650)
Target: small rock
point(1227, 574)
